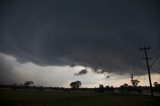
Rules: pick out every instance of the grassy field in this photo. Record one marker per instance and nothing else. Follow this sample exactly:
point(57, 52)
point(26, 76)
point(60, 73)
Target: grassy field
point(52, 98)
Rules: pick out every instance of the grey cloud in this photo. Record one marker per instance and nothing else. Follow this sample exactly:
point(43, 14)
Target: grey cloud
point(103, 35)
point(107, 76)
point(12, 71)
point(82, 72)
point(7, 74)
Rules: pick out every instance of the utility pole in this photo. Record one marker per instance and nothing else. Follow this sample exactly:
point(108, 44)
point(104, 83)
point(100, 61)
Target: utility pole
point(148, 66)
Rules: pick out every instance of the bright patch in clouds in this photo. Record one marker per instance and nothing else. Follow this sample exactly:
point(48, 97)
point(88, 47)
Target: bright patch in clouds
point(12, 71)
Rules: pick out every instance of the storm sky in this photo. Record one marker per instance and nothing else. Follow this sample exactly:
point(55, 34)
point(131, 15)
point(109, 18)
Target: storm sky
point(40, 39)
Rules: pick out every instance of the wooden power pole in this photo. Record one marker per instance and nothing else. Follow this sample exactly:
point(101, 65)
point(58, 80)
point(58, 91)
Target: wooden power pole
point(148, 66)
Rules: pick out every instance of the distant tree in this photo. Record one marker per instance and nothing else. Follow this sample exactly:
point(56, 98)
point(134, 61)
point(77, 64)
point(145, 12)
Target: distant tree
point(156, 84)
point(14, 86)
point(28, 83)
point(125, 85)
point(101, 88)
point(75, 84)
point(135, 82)
point(41, 88)
point(112, 89)
point(125, 88)
point(108, 88)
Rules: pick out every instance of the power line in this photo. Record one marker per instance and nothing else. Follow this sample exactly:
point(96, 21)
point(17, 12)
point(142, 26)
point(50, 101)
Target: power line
point(145, 49)
point(155, 60)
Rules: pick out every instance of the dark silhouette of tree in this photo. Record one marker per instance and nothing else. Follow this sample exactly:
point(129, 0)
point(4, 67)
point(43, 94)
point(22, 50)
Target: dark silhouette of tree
point(101, 88)
point(109, 89)
point(75, 84)
point(157, 86)
point(112, 89)
point(135, 82)
point(126, 88)
point(28, 83)
point(14, 86)
point(125, 85)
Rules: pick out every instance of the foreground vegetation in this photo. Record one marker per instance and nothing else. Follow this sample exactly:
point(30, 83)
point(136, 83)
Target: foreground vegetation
point(55, 98)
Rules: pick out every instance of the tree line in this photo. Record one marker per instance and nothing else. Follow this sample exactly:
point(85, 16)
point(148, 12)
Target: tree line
point(76, 86)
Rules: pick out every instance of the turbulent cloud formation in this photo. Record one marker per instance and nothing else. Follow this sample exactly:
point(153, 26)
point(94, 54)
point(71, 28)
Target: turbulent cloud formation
point(102, 34)
point(82, 72)
point(13, 71)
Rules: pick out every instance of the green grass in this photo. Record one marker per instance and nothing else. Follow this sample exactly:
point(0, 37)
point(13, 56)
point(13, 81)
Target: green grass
point(38, 98)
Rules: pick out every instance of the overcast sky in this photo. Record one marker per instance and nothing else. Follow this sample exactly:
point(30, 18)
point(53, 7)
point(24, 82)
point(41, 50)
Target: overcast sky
point(54, 42)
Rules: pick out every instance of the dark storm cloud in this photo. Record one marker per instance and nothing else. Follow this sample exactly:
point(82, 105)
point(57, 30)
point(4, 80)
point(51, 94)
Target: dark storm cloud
point(82, 72)
point(99, 34)
point(7, 74)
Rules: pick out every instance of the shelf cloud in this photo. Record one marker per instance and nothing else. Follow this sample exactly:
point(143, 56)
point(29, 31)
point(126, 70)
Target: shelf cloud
point(103, 35)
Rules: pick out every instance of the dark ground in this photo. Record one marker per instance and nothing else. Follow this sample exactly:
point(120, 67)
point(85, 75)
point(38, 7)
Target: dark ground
point(53, 98)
